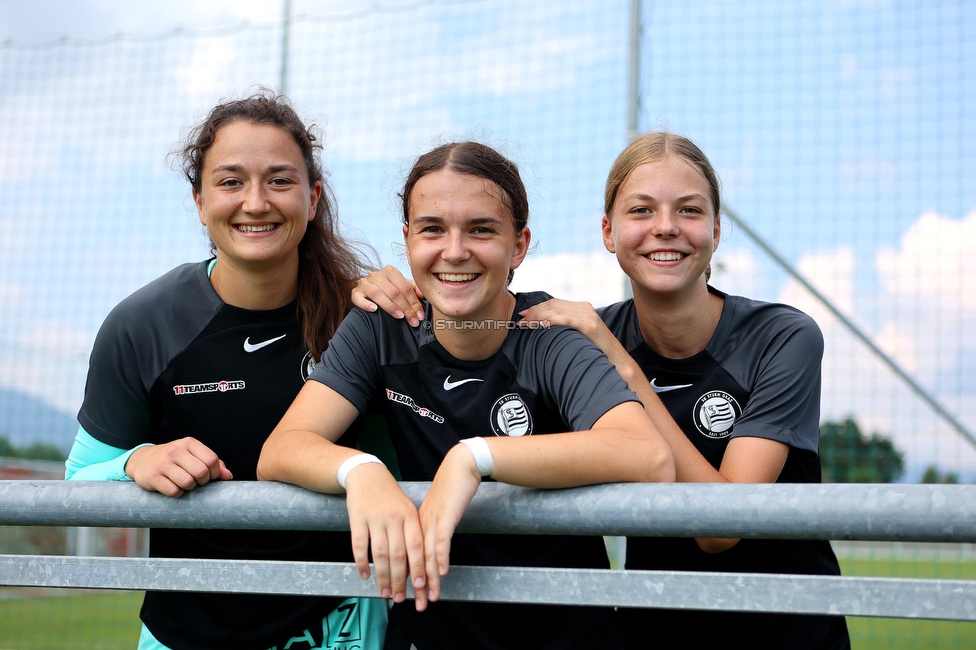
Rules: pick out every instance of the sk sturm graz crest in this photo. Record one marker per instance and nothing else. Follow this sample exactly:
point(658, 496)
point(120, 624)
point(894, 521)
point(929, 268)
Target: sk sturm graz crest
point(308, 365)
point(510, 417)
point(715, 413)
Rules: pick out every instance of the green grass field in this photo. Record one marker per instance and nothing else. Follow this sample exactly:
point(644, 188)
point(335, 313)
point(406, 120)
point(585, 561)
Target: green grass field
point(110, 620)
point(90, 621)
point(904, 634)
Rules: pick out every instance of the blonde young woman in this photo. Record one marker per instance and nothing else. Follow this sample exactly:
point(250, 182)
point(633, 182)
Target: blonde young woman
point(733, 384)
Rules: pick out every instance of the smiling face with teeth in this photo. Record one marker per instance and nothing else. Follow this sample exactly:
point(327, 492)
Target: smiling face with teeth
point(663, 228)
point(461, 245)
point(255, 198)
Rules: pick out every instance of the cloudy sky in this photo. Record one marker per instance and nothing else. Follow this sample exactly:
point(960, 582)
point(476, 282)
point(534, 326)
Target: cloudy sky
point(843, 132)
point(52, 19)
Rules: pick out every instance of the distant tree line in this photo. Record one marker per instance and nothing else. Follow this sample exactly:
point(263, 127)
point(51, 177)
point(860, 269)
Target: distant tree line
point(35, 451)
point(849, 456)
point(933, 475)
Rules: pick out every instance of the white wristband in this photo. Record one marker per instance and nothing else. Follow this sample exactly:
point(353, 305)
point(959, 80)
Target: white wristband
point(352, 463)
point(482, 455)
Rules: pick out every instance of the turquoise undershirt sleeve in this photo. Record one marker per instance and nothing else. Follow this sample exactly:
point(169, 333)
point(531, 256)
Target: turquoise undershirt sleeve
point(93, 460)
point(148, 642)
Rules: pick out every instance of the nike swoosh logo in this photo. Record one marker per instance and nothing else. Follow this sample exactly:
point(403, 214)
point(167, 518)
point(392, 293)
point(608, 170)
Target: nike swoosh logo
point(253, 347)
point(666, 389)
point(451, 385)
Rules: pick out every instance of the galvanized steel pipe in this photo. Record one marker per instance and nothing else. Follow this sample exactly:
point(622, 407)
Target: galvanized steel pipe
point(890, 597)
point(932, 513)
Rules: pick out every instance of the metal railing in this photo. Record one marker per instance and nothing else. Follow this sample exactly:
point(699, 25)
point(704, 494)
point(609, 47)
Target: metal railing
point(933, 513)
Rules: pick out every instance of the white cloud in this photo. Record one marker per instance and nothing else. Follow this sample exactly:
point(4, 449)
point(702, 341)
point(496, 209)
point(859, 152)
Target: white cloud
point(899, 345)
point(207, 70)
point(736, 272)
point(936, 259)
point(527, 66)
point(832, 274)
point(857, 383)
point(582, 277)
point(927, 325)
point(42, 19)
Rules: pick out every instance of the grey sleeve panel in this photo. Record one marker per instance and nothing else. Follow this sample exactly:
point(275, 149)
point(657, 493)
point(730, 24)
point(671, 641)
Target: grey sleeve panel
point(775, 352)
point(577, 376)
point(350, 365)
point(135, 344)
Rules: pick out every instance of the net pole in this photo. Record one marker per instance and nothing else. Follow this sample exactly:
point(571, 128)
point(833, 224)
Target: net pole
point(633, 93)
point(633, 81)
point(285, 34)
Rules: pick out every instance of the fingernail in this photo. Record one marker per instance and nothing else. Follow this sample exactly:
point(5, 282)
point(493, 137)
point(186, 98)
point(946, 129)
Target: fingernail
point(371, 307)
point(414, 322)
point(385, 592)
point(420, 315)
point(418, 582)
point(399, 597)
point(397, 314)
point(364, 575)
